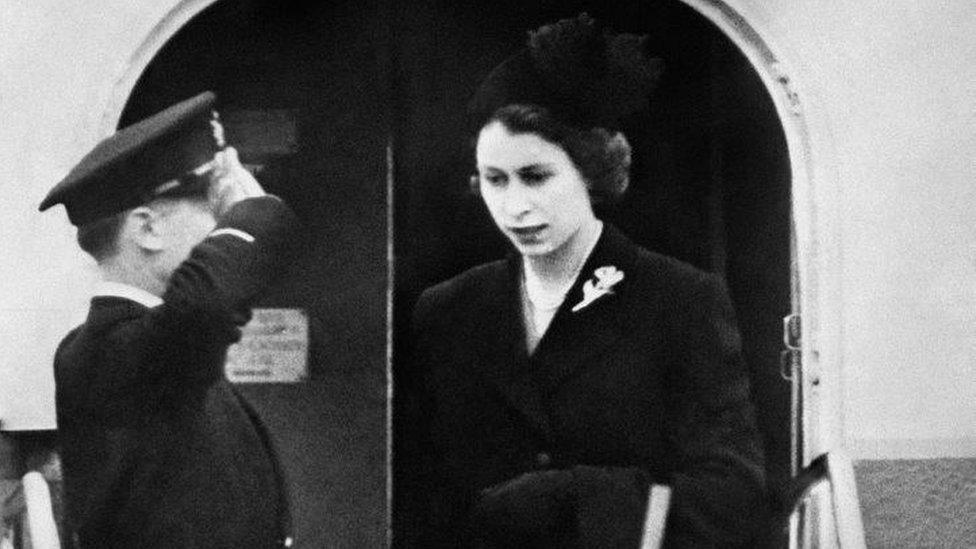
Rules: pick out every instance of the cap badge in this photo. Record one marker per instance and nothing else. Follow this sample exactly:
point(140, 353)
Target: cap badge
point(218, 130)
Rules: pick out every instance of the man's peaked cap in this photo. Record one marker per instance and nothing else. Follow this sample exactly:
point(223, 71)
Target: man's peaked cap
point(125, 169)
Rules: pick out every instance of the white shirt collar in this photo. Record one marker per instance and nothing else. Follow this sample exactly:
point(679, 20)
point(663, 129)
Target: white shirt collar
point(127, 291)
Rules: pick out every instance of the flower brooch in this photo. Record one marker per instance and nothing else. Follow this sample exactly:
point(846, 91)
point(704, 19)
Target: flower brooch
point(605, 278)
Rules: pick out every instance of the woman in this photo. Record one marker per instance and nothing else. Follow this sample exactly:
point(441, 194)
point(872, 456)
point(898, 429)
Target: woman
point(563, 381)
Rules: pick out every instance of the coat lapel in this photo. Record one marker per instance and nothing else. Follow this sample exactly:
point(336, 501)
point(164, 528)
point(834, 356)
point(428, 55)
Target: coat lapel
point(501, 354)
point(105, 310)
point(574, 338)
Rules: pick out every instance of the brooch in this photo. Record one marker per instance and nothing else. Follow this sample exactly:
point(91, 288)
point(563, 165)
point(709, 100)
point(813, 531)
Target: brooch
point(605, 279)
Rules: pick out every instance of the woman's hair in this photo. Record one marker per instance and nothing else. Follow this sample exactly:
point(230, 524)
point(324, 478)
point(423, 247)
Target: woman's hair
point(601, 156)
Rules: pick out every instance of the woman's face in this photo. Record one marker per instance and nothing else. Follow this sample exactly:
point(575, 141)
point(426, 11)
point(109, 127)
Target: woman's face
point(532, 189)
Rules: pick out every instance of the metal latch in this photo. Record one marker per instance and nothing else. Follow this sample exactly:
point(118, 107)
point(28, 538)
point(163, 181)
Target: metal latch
point(790, 357)
point(791, 332)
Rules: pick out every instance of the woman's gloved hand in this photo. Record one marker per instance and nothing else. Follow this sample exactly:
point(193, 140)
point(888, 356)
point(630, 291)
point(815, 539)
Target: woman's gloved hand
point(610, 505)
point(533, 510)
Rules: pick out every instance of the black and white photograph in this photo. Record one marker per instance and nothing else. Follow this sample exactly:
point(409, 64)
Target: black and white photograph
point(416, 274)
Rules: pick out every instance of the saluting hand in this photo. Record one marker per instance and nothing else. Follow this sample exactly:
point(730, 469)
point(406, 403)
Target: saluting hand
point(231, 182)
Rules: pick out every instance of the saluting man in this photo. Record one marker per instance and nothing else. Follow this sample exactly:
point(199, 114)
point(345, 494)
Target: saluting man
point(158, 449)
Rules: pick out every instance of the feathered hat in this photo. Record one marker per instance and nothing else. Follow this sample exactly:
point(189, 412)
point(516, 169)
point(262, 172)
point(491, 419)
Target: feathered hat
point(585, 75)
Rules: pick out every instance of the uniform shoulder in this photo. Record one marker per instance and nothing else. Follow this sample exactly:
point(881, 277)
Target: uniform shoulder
point(68, 340)
point(112, 324)
point(66, 357)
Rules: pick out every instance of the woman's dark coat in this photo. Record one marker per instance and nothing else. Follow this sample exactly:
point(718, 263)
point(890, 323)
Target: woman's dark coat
point(642, 385)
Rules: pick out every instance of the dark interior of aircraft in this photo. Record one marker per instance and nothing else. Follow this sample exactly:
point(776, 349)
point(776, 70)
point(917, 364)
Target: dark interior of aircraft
point(354, 112)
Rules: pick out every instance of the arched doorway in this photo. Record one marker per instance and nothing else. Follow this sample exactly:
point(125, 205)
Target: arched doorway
point(712, 176)
point(712, 186)
point(302, 91)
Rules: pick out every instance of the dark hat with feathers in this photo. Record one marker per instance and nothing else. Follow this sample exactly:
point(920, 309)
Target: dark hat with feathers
point(584, 75)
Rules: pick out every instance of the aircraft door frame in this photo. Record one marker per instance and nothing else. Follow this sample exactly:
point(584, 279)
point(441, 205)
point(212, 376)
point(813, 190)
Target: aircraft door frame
point(812, 362)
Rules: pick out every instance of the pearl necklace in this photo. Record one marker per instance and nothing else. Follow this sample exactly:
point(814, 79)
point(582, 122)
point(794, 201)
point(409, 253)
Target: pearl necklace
point(546, 299)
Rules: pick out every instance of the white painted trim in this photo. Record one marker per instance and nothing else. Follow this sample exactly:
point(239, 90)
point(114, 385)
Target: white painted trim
point(106, 114)
point(815, 203)
point(936, 448)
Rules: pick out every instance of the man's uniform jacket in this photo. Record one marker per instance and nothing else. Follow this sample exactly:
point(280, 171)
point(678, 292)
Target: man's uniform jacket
point(158, 449)
point(642, 385)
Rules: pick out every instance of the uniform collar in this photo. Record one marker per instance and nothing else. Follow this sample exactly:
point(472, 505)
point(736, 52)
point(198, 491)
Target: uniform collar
point(127, 291)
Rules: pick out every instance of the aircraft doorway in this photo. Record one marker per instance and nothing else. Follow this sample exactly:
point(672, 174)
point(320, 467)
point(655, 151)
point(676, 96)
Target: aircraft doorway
point(711, 185)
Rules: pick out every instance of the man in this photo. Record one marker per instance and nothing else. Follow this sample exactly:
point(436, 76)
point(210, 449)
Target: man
point(158, 449)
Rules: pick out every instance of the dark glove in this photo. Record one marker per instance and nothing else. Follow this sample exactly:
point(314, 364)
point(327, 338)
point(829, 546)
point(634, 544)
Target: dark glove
point(610, 505)
point(533, 510)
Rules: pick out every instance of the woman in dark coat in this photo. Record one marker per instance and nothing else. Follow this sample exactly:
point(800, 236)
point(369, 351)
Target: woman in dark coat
point(562, 382)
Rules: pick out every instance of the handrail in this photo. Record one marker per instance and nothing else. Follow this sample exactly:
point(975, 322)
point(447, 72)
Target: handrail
point(846, 507)
point(834, 468)
point(41, 527)
point(655, 519)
